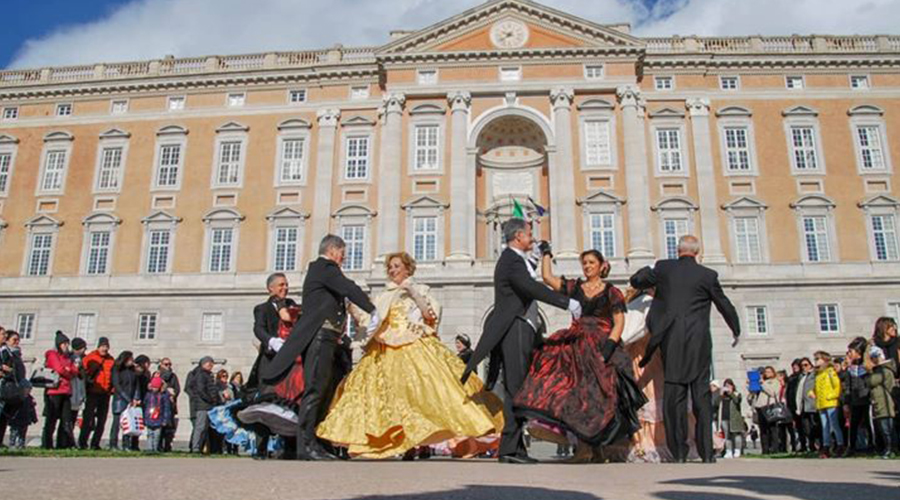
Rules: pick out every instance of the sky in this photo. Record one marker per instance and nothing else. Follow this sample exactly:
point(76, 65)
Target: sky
point(39, 33)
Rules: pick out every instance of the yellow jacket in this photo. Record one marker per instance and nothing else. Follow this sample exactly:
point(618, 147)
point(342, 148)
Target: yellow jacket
point(828, 388)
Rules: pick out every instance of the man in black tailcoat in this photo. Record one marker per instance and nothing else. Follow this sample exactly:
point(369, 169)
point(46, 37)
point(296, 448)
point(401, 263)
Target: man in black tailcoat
point(315, 337)
point(678, 322)
point(510, 333)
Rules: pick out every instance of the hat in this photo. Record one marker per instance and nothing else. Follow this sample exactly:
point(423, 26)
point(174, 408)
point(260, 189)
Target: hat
point(156, 383)
point(140, 360)
point(102, 341)
point(78, 343)
point(61, 338)
point(876, 352)
point(206, 359)
point(716, 383)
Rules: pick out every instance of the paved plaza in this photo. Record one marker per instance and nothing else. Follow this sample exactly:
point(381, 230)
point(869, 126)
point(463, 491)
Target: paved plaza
point(244, 479)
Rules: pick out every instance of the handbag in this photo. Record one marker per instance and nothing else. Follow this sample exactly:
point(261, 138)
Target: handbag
point(132, 421)
point(719, 435)
point(11, 390)
point(777, 413)
point(45, 377)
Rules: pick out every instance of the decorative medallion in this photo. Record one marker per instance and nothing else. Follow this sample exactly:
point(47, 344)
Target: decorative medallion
point(509, 34)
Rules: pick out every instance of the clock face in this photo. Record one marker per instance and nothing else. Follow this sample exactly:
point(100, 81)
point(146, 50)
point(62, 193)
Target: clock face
point(509, 34)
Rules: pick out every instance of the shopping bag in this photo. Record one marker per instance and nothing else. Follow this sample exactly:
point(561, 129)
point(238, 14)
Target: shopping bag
point(132, 421)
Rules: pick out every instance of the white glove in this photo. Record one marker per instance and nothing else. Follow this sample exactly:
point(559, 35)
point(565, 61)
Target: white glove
point(374, 323)
point(275, 343)
point(575, 308)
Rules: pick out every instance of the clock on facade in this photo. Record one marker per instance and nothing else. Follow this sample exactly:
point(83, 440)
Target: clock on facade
point(509, 34)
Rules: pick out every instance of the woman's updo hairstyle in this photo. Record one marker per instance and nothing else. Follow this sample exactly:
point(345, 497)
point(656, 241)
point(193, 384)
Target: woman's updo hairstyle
point(604, 270)
point(408, 261)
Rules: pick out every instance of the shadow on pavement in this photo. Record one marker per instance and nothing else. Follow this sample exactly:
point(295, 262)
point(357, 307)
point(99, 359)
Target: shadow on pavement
point(482, 492)
point(778, 486)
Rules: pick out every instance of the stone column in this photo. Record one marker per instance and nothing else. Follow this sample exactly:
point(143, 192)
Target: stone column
point(321, 215)
point(562, 178)
point(636, 182)
point(389, 175)
point(706, 181)
point(462, 181)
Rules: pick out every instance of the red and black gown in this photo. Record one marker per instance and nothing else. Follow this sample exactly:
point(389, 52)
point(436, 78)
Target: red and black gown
point(570, 386)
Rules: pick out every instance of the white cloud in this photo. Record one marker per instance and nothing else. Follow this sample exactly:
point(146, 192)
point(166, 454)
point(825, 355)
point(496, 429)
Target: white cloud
point(148, 29)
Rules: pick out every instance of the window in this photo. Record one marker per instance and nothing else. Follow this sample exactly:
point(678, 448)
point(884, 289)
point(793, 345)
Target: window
point(728, 82)
point(361, 92)
point(119, 107)
point(297, 96)
point(597, 148)
point(803, 144)
point(54, 169)
point(355, 238)
point(427, 147)
point(859, 82)
point(176, 103)
point(228, 170)
point(357, 162)
point(603, 234)
point(86, 326)
point(220, 250)
point(169, 163)
point(794, 82)
point(884, 234)
point(427, 76)
point(110, 168)
point(425, 238)
point(668, 149)
point(737, 149)
point(746, 238)
point(147, 326)
point(98, 252)
point(815, 234)
point(236, 99)
point(510, 74)
point(894, 310)
point(674, 229)
point(663, 83)
point(212, 328)
point(871, 153)
point(292, 160)
point(593, 71)
point(5, 171)
point(829, 319)
point(286, 248)
point(25, 325)
point(757, 320)
point(158, 251)
point(39, 257)
point(10, 113)
point(64, 109)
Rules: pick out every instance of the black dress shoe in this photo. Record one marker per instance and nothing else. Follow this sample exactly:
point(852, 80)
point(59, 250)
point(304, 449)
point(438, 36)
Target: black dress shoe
point(517, 459)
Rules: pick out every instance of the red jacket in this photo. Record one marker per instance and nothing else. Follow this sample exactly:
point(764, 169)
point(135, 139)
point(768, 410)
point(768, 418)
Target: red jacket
point(98, 369)
point(63, 365)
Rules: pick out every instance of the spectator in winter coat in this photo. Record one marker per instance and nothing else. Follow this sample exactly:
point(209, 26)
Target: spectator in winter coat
point(173, 388)
point(12, 371)
point(79, 389)
point(881, 381)
point(828, 394)
point(204, 395)
point(857, 393)
point(57, 401)
point(806, 407)
point(769, 395)
point(157, 413)
point(125, 394)
point(98, 365)
point(21, 418)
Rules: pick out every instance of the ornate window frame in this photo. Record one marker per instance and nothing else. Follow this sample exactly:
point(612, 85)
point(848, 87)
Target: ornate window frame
point(598, 110)
point(55, 141)
point(293, 129)
point(737, 117)
point(426, 206)
point(112, 138)
point(9, 145)
point(221, 218)
point(424, 115)
point(229, 132)
point(165, 136)
point(357, 215)
point(674, 207)
point(41, 224)
point(603, 202)
point(286, 217)
point(872, 116)
point(816, 205)
point(746, 207)
point(159, 220)
point(804, 116)
point(352, 128)
point(668, 118)
point(880, 205)
point(99, 221)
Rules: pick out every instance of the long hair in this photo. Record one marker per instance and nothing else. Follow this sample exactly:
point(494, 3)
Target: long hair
point(881, 327)
point(122, 359)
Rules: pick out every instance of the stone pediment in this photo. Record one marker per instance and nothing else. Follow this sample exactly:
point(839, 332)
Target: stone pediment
point(880, 201)
point(531, 26)
point(43, 221)
point(286, 213)
point(601, 197)
point(424, 202)
point(745, 203)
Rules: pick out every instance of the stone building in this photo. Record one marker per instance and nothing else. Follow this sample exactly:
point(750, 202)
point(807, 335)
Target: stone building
point(147, 201)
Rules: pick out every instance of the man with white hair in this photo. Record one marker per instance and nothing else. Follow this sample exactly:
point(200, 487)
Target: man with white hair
point(679, 325)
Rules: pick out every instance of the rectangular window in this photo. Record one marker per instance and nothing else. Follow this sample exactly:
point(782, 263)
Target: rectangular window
point(228, 170)
point(357, 162)
point(220, 249)
point(64, 109)
point(297, 96)
point(11, 113)
point(86, 326)
point(728, 82)
point(292, 160)
point(593, 71)
point(870, 150)
point(119, 107)
point(39, 258)
point(158, 251)
point(5, 171)
point(884, 233)
point(427, 153)
point(355, 239)
point(176, 103)
point(425, 238)
point(212, 329)
point(147, 326)
point(737, 149)
point(859, 82)
point(815, 233)
point(757, 320)
point(894, 310)
point(803, 143)
point(25, 325)
point(663, 83)
point(361, 92)
point(829, 319)
point(603, 234)
point(285, 249)
point(597, 150)
point(169, 163)
point(746, 239)
point(674, 229)
point(794, 82)
point(54, 168)
point(110, 168)
point(668, 148)
point(510, 74)
point(427, 76)
point(236, 99)
point(98, 252)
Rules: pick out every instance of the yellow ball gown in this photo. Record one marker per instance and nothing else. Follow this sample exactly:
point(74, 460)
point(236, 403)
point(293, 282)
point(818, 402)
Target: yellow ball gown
point(405, 391)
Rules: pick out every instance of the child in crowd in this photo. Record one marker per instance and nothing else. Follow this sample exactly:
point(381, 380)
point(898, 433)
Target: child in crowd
point(881, 380)
point(827, 394)
point(24, 415)
point(157, 412)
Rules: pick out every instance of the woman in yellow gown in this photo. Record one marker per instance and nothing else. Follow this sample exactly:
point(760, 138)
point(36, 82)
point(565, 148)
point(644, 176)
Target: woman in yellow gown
point(405, 391)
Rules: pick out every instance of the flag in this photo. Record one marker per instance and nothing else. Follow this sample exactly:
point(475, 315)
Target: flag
point(517, 210)
point(540, 210)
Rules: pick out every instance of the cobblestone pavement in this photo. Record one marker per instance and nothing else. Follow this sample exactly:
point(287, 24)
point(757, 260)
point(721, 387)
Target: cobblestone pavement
point(244, 479)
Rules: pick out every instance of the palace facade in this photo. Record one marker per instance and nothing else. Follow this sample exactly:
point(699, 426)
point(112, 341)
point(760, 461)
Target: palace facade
point(147, 201)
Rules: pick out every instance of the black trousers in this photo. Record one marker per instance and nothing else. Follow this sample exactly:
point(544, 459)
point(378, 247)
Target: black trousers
point(810, 424)
point(57, 413)
point(516, 349)
point(675, 416)
point(859, 416)
point(769, 434)
point(318, 371)
point(96, 408)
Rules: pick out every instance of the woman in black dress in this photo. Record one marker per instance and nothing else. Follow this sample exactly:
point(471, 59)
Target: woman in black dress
point(580, 386)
